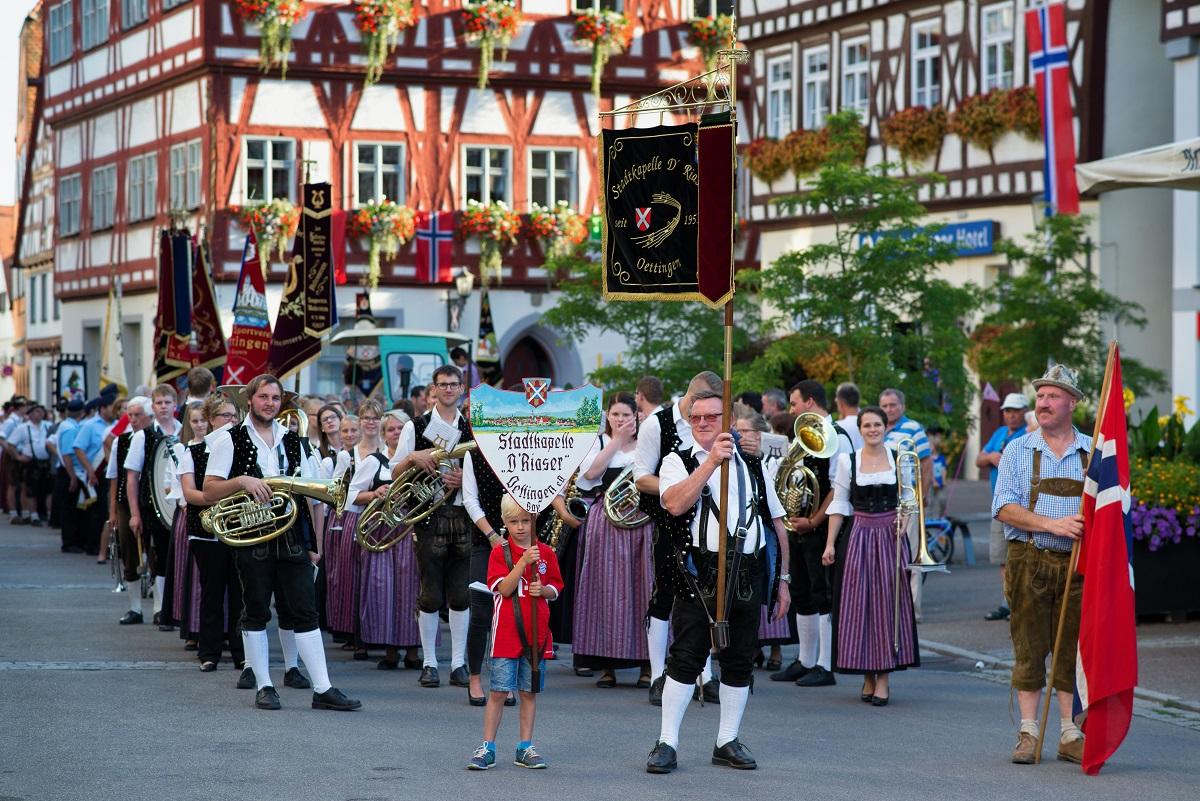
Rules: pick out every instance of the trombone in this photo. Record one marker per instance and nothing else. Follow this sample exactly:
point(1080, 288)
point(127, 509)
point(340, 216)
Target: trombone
point(912, 501)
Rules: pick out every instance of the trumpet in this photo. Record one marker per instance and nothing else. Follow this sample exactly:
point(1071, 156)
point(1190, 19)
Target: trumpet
point(241, 522)
point(796, 483)
point(911, 501)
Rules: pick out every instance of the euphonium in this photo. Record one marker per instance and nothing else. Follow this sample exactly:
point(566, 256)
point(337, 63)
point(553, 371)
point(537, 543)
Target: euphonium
point(374, 520)
point(241, 521)
point(796, 483)
point(621, 501)
point(301, 421)
point(416, 493)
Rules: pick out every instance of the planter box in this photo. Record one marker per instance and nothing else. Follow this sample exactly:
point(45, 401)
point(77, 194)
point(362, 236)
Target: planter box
point(1165, 580)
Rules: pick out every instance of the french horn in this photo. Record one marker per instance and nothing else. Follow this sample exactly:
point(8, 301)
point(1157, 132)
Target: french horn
point(241, 522)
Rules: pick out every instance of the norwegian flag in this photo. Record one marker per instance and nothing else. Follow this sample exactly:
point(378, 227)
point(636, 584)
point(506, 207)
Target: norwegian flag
point(1050, 66)
point(1106, 665)
point(435, 246)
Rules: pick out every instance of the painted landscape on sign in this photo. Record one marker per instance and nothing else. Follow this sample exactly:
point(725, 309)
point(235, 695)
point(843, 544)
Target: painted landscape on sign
point(574, 412)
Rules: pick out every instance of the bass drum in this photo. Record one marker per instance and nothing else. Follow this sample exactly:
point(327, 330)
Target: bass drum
point(162, 467)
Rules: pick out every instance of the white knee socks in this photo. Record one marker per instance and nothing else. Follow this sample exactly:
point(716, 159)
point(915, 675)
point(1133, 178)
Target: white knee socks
point(706, 673)
point(806, 631)
point(287, 642)
point(312, 651)
point(656, 641)
point(134, 588)
point(733, 704)
point(458, 637)
point(160, 583)
point(257, 656)
point(825, 636)
point(428, 622)
point(675, 699)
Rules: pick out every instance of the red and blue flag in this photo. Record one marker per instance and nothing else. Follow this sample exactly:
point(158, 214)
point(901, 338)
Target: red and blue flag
point(1050, 66)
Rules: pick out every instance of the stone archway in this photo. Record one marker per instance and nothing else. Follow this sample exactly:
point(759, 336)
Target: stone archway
point(527, 358)
point(531, 341)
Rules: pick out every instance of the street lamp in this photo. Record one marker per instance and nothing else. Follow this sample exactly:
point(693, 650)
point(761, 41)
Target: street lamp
point(456, 299)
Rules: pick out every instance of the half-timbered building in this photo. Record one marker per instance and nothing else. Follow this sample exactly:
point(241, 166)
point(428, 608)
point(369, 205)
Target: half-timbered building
point(160, 107)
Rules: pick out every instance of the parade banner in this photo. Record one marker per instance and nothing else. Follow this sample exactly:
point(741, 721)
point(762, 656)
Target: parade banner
point(649, 203)
point(208, 349)
point(487, 349)
point(714, 245)
point(112, 353)
point(250, 340)
point(535, 440)
point(70, 378)
point(173, 323)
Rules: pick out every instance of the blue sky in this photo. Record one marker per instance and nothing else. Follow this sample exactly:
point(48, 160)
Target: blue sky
point(12, 14)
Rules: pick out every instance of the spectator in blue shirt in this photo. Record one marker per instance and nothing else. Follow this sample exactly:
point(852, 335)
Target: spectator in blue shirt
point(89, 451)
point(1013, 410)
point(900, 426)
point(66, 483)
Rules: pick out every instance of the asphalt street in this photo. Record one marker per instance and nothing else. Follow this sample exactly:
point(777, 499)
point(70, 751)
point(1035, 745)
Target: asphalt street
point(92, 710)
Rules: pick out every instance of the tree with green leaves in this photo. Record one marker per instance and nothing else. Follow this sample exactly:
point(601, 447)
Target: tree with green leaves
point(867, 306)
point(1051, 308)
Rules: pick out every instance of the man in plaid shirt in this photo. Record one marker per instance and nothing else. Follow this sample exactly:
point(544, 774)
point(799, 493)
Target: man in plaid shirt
point(1038, 497)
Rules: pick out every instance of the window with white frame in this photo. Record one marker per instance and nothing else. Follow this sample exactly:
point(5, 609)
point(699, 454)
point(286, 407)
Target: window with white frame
point(185, 175)
point(926, 64)
point(62, 43)
point(133, 12)
point(816, 87)
point(33, 304)
point(856, 75)
point(70, 197)
point(996, 27)
point(596, 5)
point(45, 298)
point(379, 170)
point(104, 196)
point(95, 22)
point(143, 185)
point(486, 174)
point(270, 169)
point(779, 97)
point(552, 176)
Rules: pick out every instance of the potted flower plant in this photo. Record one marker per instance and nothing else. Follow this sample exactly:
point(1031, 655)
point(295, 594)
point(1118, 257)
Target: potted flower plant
point(274, 19)
point(917, 132)
point(490, 23)
point(496, 226)
point(711, 34)
point(558, 228)
point(606, 32)
point(380, 22)
point(273, 222)
point(386, 226)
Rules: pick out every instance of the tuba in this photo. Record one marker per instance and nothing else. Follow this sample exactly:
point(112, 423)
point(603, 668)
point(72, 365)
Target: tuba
point(240, 521)
point(286, 416)
point(621, 501)
point(415, 494)
point(796, 483)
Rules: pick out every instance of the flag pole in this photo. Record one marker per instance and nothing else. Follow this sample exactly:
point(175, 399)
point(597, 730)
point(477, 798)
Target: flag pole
point(1062, 609)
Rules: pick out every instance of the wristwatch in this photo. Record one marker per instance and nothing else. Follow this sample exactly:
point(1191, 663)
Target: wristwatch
point(786, 577)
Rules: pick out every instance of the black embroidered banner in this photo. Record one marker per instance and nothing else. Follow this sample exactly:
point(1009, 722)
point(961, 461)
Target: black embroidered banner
point(650, 201)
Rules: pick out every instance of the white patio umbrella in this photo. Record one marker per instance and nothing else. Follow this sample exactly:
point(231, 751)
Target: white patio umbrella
point(1173, 166)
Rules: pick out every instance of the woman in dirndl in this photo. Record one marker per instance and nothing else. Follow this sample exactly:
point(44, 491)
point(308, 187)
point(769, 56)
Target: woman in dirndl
point(868, 640)
point(340, 559)
point(184, 580)
point(615, 575)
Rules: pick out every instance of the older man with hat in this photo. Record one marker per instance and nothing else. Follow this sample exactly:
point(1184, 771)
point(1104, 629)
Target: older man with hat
point(1038, 497)
point(1013, 411)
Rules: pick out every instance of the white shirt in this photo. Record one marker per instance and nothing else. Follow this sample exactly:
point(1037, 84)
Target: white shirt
point(10, 422)
point(183, 457)
point(364, 477)
point(135, 457)
point(408, 444)
point(270, 457)
point(30, 439)
point(674, 472)
point(470, 490)
point(620, 459)
point(849, 424)
point(649, 439)
point(840, 505)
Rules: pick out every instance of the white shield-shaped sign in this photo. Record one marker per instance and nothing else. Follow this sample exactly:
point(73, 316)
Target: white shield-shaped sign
point(534, 448)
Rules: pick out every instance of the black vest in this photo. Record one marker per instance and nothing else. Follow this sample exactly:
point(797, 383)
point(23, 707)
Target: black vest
point(376, 481)
point(245, 463)
point(872, 499)
point(668, 441)
point(122, 452)
point(199, 453)
point(420, 423)
point(491, 492)
point(151, 436)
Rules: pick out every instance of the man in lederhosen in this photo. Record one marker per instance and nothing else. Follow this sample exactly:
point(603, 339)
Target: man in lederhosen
point(129, 545)
point(757, 545)
point(660, 434)
point(239, 459)
point(443, 540)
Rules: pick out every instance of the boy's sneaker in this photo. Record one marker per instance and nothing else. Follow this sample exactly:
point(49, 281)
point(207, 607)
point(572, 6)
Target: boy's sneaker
point(529, 758)
point(482, 759)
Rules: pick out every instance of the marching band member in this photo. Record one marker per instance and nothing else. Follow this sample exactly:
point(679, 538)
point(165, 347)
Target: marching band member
point(214, 559)
point(661, 434)
point(870, 641)
point(616, 574)
point(329, 437)
point(688, 482)
point(238, 461)
point(340, 555)
point(183, 582)
point(138, 474)
point(365, 452)
point(443, 540)
point(130, 544)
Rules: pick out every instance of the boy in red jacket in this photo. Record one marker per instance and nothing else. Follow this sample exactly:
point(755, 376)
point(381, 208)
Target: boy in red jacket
point(523, 577)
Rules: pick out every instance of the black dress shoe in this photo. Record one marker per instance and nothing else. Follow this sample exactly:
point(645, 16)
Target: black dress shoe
point(473, 701)
point(246, 680)
point(877, 701)
point(735, 755)
point(712, 692)
point(1000, 613)
point(773, 664)
point(157, 619)
point(511, 700)
point(429, 677)
point(817, 677)
point(267, 698)
point(208, 667)
point(296, 680)
point(412, 664)
point(387, 664)
point(790, 673)
point(335, 699)
point(165, 627)
point(130, 617)
point(661, 759)
point(656, 690)
point(459, 677)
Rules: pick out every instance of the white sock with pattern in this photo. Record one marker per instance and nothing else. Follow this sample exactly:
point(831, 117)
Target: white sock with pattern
point(656, 640)
point(675, 700)
point(733, 704)
point(428, 623)
point(312, 651)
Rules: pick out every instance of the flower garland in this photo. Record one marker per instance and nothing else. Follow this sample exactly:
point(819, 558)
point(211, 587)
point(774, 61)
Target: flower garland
point(274, 19)
point(982, 119)
point(916, 132)
point(496, 226)
point(272, 222)
point(381, 22)
point(490, 23)
point(387, 225)
point(711, 34)
point(560, 228)
point(607, 32)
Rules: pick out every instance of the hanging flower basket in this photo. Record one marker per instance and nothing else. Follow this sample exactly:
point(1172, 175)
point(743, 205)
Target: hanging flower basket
point(490, 23)
point(273, 223)
point(381, 22)
point(711, 35)
point(806, 150)
point(274, 19)
point(983, 119)
point(767, 159)
point(386, 226)
point(496, 226)
point(607, 32)
point(1022, 112)
point(558, 229)
point(917, 132)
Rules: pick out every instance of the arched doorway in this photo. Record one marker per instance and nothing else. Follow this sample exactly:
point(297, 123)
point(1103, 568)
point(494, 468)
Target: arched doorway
point(527, 358)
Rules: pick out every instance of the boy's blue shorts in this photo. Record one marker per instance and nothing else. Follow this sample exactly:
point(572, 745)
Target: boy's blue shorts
point(508, 675)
